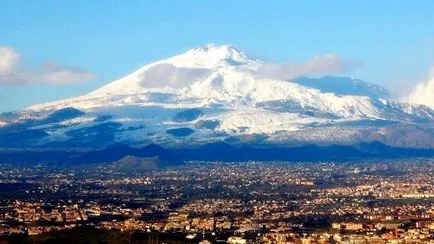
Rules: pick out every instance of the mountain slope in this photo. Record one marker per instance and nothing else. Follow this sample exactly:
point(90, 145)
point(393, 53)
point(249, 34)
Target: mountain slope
point(215, 93)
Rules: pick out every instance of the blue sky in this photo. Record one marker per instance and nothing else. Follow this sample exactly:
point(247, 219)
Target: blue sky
point(103, 40)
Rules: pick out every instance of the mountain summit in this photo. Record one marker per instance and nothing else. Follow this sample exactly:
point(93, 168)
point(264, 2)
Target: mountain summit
point(222, 75)
point(216, 93)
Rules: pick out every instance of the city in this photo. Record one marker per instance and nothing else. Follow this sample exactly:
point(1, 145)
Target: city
point(372, 201)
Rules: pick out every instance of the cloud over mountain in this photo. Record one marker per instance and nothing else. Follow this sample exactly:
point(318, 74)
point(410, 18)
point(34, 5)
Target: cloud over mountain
point(424, 92)
point(13, 73)
point(318, 65)
point(162, 75)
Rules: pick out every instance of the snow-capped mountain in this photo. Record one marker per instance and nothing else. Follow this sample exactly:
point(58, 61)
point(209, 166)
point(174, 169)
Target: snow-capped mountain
point(217, 93)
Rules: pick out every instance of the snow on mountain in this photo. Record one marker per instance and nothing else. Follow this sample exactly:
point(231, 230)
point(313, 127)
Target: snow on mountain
point(220, 94)
point(210, 75)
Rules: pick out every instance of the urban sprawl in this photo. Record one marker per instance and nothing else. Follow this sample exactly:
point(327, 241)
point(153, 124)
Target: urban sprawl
point(375, 201)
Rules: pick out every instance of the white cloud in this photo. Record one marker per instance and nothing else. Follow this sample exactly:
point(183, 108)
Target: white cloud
point(57, 74)
point(318, 65)
point(12, 73)
point(162, 75)
point(8, 59)
point(423, 92)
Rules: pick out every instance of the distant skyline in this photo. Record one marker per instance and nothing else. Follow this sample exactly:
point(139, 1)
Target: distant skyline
point(51, 50)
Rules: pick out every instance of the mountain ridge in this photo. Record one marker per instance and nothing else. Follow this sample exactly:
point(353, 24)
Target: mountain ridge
point(153, 156)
